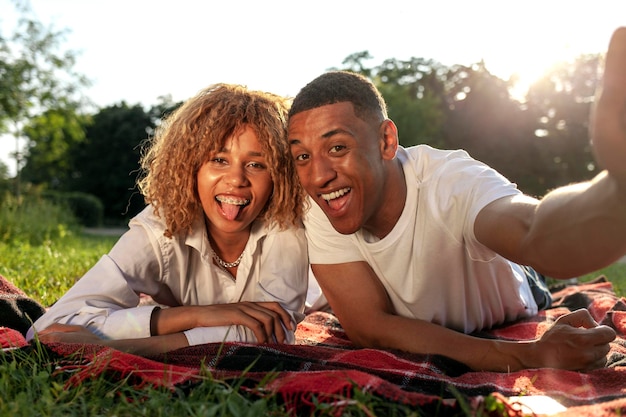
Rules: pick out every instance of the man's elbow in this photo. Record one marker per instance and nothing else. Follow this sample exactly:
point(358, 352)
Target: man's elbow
point(366, 338)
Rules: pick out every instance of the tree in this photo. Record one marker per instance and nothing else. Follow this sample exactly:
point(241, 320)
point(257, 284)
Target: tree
point(106, 163)
point(52, 138)
point(538, 144)
point(559, 105)
point(413, 93)
point(35, 75)
point(486, 121)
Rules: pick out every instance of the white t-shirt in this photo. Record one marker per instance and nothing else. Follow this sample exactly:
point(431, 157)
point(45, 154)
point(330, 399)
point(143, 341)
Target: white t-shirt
point(181, 272)
point(431, 263)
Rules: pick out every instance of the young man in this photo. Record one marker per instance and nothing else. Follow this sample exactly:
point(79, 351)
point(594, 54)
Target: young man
point(416, 248)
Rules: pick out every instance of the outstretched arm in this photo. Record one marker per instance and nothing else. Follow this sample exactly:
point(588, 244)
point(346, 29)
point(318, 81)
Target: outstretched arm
point(608, 120)
point(578, 228)
point(361, 304)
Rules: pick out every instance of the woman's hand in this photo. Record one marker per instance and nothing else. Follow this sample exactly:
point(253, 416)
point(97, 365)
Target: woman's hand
point(267, 320)
point(67, 333)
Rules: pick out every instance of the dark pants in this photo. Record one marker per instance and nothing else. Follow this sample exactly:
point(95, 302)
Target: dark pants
point(538, 286)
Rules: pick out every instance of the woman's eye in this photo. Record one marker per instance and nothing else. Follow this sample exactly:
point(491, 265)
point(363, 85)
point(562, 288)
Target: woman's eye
point(256, 165)
point(302, 157)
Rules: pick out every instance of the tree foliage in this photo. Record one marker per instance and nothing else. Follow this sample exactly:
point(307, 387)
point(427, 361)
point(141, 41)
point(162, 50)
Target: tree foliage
point(106, 163)
point(539, 143)
point(559, 104)
point(35, 74)
point(53, 137)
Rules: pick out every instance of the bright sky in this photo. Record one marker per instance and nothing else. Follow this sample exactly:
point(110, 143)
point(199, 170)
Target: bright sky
point(138, 50)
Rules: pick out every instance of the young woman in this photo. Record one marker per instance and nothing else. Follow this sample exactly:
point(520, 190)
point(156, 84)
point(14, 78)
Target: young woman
point(220, 247)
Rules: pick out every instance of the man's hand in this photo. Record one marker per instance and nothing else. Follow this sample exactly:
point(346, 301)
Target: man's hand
point(574, 342)
point(608, 120)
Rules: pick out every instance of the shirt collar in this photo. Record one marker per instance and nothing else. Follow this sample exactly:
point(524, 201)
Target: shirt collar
point(198, 239)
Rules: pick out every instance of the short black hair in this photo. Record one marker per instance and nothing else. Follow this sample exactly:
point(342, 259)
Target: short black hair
point(341, 86)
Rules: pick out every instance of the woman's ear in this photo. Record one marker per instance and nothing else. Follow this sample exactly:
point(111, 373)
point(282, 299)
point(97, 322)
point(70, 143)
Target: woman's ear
point(388, 139)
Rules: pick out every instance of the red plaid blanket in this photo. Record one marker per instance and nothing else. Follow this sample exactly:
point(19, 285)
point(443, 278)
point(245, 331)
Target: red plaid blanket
point(325, 366)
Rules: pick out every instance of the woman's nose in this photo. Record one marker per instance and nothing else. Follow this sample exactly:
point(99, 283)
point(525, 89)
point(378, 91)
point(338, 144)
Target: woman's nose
point(236, 176)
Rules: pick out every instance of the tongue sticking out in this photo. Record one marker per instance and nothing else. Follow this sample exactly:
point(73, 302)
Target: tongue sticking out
point(231, 210)
point(337, 203)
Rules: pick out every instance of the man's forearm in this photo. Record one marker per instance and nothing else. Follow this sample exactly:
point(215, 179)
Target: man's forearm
point(578, 229)
point(574, 342)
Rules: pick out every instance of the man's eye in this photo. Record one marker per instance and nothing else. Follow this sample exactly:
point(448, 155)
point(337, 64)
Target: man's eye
point(337, 148)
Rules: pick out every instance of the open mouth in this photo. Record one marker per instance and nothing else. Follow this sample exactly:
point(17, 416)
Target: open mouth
point(231, 206)
point(336, 199)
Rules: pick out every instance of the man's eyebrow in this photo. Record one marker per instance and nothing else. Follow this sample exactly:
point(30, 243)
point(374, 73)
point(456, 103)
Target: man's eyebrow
point(334, 132)
point(326, 135)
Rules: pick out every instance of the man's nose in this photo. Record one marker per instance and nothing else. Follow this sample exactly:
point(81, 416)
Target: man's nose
point(322, 171)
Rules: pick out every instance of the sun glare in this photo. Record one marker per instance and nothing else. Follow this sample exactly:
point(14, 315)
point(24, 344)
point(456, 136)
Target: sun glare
point(525, 46)
point(523, 63)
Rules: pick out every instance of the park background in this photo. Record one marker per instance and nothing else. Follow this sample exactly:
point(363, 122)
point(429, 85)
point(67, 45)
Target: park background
point(83, 83)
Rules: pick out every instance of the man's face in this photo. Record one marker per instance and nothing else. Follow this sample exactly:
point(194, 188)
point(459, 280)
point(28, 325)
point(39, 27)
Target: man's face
point(338, 159)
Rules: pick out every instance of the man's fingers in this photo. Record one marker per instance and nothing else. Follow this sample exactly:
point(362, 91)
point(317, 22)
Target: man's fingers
point(578, 318)
point(608, 117)
point(614, 76)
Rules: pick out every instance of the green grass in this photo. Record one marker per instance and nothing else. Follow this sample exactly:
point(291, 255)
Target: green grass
point(43, 252)
point(615, 273)
point(47, 271)
point(34, 383)
point(31, 384)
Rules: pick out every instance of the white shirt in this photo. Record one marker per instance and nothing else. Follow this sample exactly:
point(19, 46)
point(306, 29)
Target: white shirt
point(180, 272)
point(431, 264)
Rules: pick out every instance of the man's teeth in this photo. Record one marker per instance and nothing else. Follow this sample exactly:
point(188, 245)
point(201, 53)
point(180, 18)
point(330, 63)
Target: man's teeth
point(335, 194)
point(232, 200)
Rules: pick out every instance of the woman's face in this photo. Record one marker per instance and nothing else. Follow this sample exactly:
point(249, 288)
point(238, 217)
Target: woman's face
point(234, 184)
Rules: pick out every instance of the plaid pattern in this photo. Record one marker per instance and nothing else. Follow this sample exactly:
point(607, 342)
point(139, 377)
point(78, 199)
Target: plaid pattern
point(324, 366)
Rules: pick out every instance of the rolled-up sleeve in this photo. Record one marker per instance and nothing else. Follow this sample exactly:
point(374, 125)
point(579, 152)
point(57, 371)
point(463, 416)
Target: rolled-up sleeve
point(201, 335)
point(103, 302)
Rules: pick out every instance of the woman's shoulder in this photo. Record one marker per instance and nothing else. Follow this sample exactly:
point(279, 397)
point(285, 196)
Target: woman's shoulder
point(148, 219)
point(271, 231)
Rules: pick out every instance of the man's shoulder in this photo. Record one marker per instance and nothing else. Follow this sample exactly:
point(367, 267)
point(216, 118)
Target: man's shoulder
point(425, 153)
point(426, 161)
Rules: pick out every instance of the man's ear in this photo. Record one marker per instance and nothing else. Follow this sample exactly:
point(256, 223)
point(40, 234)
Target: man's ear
point(388, 139)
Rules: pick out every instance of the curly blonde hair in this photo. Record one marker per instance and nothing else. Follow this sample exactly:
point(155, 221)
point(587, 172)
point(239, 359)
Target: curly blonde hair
point(199, 127)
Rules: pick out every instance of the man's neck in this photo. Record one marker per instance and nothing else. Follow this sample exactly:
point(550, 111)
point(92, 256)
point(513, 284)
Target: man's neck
point(392, 202)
